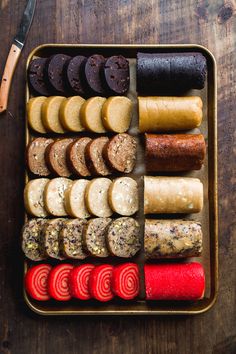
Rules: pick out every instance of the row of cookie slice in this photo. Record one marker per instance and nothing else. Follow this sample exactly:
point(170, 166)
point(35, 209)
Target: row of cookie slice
point(81, 198)
point(82, 157)
point(79, 75)
point(78, 238)
point(86, 281)
point(58, 114)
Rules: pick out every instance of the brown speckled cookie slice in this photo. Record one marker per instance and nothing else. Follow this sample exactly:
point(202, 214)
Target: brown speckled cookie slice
point(123, 237)
point(71, 239)
point(94, 237)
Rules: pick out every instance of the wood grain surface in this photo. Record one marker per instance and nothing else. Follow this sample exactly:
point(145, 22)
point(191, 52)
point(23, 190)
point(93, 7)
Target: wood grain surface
point(208, 22)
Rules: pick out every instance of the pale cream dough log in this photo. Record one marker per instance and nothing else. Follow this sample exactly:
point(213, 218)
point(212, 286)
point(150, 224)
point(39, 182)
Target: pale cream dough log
point(168, 195)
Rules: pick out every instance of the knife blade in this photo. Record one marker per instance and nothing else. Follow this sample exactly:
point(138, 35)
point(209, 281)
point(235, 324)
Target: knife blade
point(14, 53)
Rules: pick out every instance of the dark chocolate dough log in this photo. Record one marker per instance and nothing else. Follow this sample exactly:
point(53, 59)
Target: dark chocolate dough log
point(174, 72)
point(54, 72)
point(73, 72)
point(93, 74)
point(37, 83)
point(116, 75)
point(179, 152)
point(172, 238)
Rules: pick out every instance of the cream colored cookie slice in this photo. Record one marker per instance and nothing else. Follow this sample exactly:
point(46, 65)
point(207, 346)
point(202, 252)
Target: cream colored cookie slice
point(54, 196)
point(96, 197)
point(75, 199)
point(70, 113)
point(34, 107)
point(33, 197)
point(123, 196)
point(117, 114)
point(50, 114)
point(91, 114)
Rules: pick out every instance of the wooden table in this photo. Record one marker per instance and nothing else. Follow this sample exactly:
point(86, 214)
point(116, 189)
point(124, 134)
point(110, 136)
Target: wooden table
point(210, 23)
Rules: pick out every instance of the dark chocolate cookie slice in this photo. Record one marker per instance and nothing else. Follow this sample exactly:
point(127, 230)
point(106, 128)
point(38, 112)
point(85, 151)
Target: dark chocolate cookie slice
point(93, 72)
point(73, 70)
point(116, 74)
point(54, 72)
point(37, 84)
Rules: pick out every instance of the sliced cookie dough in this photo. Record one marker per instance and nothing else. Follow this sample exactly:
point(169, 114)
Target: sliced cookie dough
point(91, 114)
point(32, 239)
point(34, 197)
point(96, 197)
point(35, 156)
point(73, 74)
point(70, 114)
point(54, 196)
point(36, 79)
point(52, 238)
point(120, 152)
point(76, 157)
point(94, 156)
point(94, 237)
point(56, 157)
point(123, 196)
point(75, 199)
point(34, 114)
point(92, 73)
point(117, 114)
point(50, 114)
point(123, 237)
point(54, 72)
point(71, 237)
point(116, 74)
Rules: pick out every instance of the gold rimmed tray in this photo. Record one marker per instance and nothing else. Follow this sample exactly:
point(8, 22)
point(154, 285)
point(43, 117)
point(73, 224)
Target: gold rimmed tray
point(208, 175)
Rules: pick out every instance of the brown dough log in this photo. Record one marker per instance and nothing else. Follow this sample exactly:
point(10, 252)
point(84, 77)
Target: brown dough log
point(180, 152)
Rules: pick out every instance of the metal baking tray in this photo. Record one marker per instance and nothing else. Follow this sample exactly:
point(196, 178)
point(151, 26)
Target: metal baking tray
point(208, 175)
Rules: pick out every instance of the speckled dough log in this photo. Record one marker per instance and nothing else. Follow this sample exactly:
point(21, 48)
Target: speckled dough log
point(170, 71)
point(172, 238)
point(170, 195)
point(169, 113)
point(180, 152)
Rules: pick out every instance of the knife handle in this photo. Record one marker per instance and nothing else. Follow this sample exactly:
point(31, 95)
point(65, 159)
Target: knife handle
point(10, 66)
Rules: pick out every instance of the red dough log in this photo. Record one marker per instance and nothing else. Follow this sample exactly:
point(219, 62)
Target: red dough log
point(174, 281)
point(100, 282)
point(58, 282)
point(125, 282)
point(36, 282)
point(79, 281)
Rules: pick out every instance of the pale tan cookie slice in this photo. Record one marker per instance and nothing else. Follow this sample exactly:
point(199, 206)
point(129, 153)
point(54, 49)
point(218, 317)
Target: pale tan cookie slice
point(117, 114)
point(50, 114)
point(54, 196)
point(96, 197)
point(34, 197)
point(91, 114)
point(123, 196)
point(75, 199)
point(34, 114)
point(70, 113)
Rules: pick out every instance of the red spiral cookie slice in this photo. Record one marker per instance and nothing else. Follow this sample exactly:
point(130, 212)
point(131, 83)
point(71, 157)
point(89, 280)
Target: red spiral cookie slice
point(36, 282)
point(79, 281)
point(58, 282)
point(125, 282)
point(100, 282)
